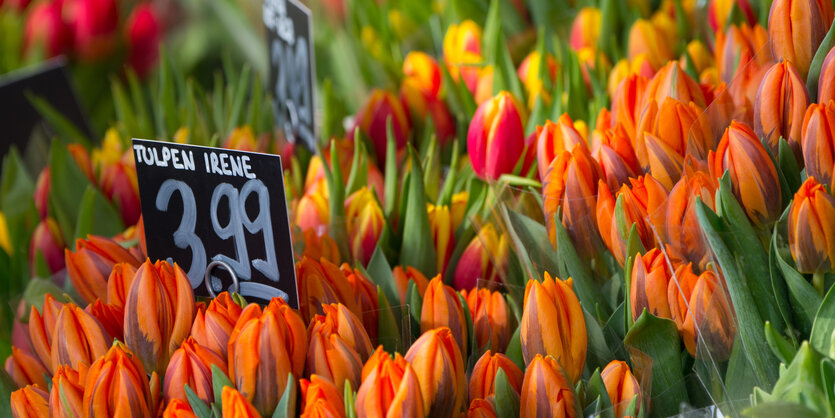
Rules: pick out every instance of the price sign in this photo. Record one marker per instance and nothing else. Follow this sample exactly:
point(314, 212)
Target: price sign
point(289, 27)
point(203, 204)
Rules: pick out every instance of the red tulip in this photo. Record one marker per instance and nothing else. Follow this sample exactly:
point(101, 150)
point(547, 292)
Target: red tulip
point(49, 243)
point(372, 120)
point(95, 23)
point(46, 29)
point(119, 184)
point(496, 137)
point(143, 32)
point(42, 192)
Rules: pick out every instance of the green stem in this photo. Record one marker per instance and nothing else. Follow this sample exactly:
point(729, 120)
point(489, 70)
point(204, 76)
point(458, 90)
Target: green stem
point(818, 281)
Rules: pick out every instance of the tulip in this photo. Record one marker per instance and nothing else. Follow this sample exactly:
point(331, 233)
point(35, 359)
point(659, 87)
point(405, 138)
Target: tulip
point(642, 206)
point(30, 401)
point(91, 264)
point(119, 184)
point(41, 328)
point(321, 283)
point(111, 318)
point(678, 127)
point(143, 32)
point(18, 6)
point(121, 277)
point(648, 285)
point(571, 183)
point(178, 408)
point(826, 82)
point(616, 156)
point(67, 394)
point(318, 246)
point(213, 326)
point(78, 338)
point(458, 208)
point(482, 379)
point(46, 31)
point(672, 81)
point(42, 192)
point(191, 365)
point(719, 11)
point(316, 170)
point(372, 119)
point(496, 137)
point(796, 29)
point(818, 142)
point(546, 391)
point(82, 159)
point(648, 39)
point(684, 235)
point(621, 386)
point(312, 211)
point(811, 237)
point(442, 308)
point(702, 311)
point(333, 356)
point(321, 398)
point(390, 388)
point(481, 408)
point(443, 234)
point(236, 405)
point(529, 73)
point(491, 318)
point(365, 223)
point(753, 174)
point(462, 52)
point(440, 372)
point(639, 65)
point(95, 23)
point(402, 277)
point(780, 105)
point(48, 242)
point(699, 55)
point(483, 259)
point(553, 325)
point(626, 103)
point(586, 28)
point(159, 311)
point(118, 386)
point(553, 139)
point(365, 297)
point(25, 369)
point(420, 92)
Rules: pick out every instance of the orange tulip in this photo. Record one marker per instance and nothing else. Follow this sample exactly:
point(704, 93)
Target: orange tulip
point(236, 405)
point(648, 286)
point(439, 367)
point(672, 81)
point(338, 345)
point(483, 259)
point(420, 91)
point(78, 338)
point(621, 386)
point(546, 392)
point(753, 174)
point(91, 264)
point(118, 283)
point(811, 233)
point(41, 328)
point(482, 379)
point(111, 318)
point(48, 242)
point(365, 299)
point(67, 394)
point(586, 28)
point(318, 246)
point(818, 142)
point(491, 318)
point(796, 29)
point(178, 408)
point(117, 385)
point(682, 129)
point(741, 48)
point(321, 398)
point(402, 277)
point(826, 82)
point(615, 154)
point(159, 311)
point(390, 388)
point(25, 369)
point(684, 235)
point(213, 325)
point(372, 118)
point(191, 365)
point(780, 106)
point(443, 235)
point(462, 52)
point(553, 139)
point(481, 408)
point(30, 401)
point(442, 308)
point(702, 311)
point(496, 137)
point(647, 39)
point(321, 283)
point(365, 221)
point(627, 103)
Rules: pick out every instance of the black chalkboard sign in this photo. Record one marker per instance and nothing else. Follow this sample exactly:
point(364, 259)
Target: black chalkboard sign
point(289, 27)
point(203, 204)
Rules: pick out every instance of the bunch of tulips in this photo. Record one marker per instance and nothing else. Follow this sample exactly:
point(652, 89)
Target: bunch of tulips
point(589, 232)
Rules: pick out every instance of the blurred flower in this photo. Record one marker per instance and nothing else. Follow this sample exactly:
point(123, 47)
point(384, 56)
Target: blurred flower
point(440, 371)
point(321, 283)
point(159, 310)
point(46, 31)
point(365, 221)
point(143, 32)
point(5, 242)
point(390, 388)
point(118, 284)
point(483, 259)
point(119, 184)
point(242, 139)
point(672, 81)
point(78, 338)
point(42, 193)
point(627, 103)
point(312, 211)
point(811, 233)
point(49, 244)
point(699, 55)
point(553, 139)
point(402, 277)
point(117, 385)
point(796, 29)
point(372, 119)
point(67, 394)
point(529, 72)
point(780, 105)
point(639, 65)
point(458, 208)
point(585, 30)
point(30, 401)
point(42, 329)
point(484, 85)
point(321, 398)
point(649, 39)
point(482, 379)
point(191, 365)
point(648, 284)
point(818, 142)
point(553, 325)
point(178, 408)
point(318, 246)
point(481, 408)
point(491, 318)
point(496, 137)
point(702, 311)
point(462, 52)
point(91, 264)
point(420, 92)
point(25, 369)
point(719, 12)
point(684, 235)
point(615, 155)
point(442, 308)
point(826, 82)
point(443, 234)
point(621, 386)
point(752, 172)
point(95, 23)
point(236, 405)
point(213, 326)
point(546, 392)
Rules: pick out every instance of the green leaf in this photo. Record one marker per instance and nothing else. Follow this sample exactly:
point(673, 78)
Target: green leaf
point(584, 284)
point(390, 181)
point(514, 348)
point(598, 350)
point(197, 405)
point(336, 202)
point(787, 163)
point(219, 380)
point(418, 248)
point(287, 404)
point(66, 130)
point(97, 216)
point(350, 398)
point(505, 397)
point(782, 348)
point(596, 389)
point(37, 288)
point(68, 183)
point(388, 332)
point(533, 239)
point(817, 62)
point(821, 337)
point(379, 271)
point(415, 303)
point(359, 167)
point(7, 386)
point(658, 338)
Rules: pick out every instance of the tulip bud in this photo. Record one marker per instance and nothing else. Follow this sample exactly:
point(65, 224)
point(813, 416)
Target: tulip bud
point(390, 388)
point(191, 365)
point(553, 325)
point(111, 318)
point(586, 28)
point(811, 237)
point(91, 264)
point(668, 132)
point(118, 284)
point(442, 308)
point(143, 32)
point(25, 369)
point(796, 29)
point(546, 392)
point(482, 259)
point(46, 30)
point(41, 329)
point(462, 52)
point(616, 156)
point(553, 139)
point(642, 206)
point(753, 174)
point(159, 311)
point(372, 120)
point(213, 326)
point(621, 386)
point(439, 367)
point(491, 318)
point(826, 82)
point(312, 211)
point(627, 103)
point(365, 299)
point(30, 401)
point(496, 137)
point(482, 379)
point(699, 55)
point(42, 193)
point(321, 283)
point(119, 184)
point(335, 353)
point(648, 285)
point(236, 405)
point(178, 408)
point(67, 394)
point(117, 385)
point(818, 142)
point(481, 408)
point(365, 223)
point(318, 246)
point(78, 338)
point(443, 235)
point(420, 92)
point(529, 71)
point(702, 311)
point(672, 81)
point(321, 398)
point(48, 242)
point(648, 39)
point(402, 277)
point(684, 235)
point(781, 103)
point(458, 208)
